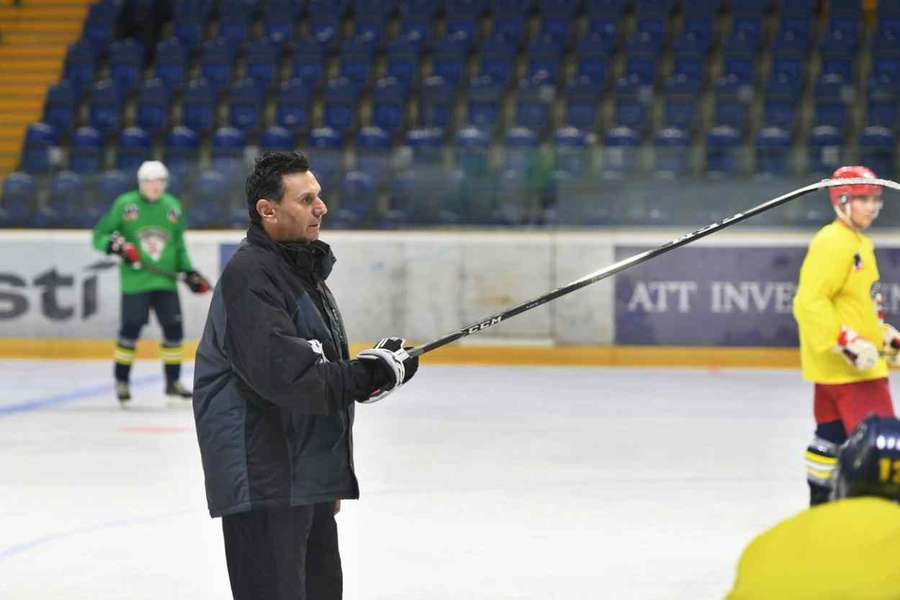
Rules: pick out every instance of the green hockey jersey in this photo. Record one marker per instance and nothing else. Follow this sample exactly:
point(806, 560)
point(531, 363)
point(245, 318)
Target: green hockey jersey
point(157, 231)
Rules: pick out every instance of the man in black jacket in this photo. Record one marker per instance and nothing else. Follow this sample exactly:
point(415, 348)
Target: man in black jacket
point(274, 392)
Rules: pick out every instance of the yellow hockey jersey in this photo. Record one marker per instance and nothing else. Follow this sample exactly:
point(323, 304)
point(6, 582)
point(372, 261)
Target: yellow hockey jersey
point(839, 550)
point(838, 286)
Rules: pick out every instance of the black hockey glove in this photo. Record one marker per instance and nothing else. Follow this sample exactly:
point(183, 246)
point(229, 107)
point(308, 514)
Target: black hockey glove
point(196, 282)
point(394, 363)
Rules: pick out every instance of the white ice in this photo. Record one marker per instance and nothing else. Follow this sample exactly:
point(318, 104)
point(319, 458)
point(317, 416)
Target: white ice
point(477, 483)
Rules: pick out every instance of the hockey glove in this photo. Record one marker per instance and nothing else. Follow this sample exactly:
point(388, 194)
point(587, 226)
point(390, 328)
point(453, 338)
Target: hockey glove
point(859, 352)
point(120, 247)
point(391, 357)
point(196, 282)
point(891, 347)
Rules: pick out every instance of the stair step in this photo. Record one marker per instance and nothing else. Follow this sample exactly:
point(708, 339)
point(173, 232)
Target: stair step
point(7, 104)
point(51, 67)
point(44, 11)
point(25, 38)
point(28, 78)
point(22, 52)
point(22, 26)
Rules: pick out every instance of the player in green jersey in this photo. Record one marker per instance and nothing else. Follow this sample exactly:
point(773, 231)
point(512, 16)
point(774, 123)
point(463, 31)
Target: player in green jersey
point(145, 228)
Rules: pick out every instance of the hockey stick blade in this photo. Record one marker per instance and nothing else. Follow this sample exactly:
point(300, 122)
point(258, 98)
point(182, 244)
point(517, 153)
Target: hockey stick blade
point(637, 259)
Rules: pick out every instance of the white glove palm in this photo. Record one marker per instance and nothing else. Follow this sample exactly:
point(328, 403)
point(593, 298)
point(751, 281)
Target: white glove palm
point(859, 352)
point(891, 347)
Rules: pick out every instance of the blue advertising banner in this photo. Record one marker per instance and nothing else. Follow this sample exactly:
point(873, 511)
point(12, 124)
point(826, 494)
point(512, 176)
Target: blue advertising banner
point(721, 296)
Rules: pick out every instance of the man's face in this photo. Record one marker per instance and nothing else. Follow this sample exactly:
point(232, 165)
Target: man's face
point(152, 189)
point(298, 217)
point(864, 210)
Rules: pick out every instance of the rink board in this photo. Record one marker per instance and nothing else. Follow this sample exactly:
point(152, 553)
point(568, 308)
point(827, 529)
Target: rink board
point(725, 299)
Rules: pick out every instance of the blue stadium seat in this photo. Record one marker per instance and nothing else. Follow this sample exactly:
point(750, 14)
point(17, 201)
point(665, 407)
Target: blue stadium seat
point(484, 103)
point(691, 68)
point(190, 18)
point(497, 59)
point(328, 157)
point(631, 108)
point(59, 106)
point(216, 60)
point(416, 30)
point(370, 27)
point(389, 100)
point(544, 56)
point(510, 28)
point(693, 42)
point(471, 151)
point(878, 150)
point(520, 147)
point(703, 9)
point(181, 149)
point(883, 103)
point(293, 108)
point(40, 139)
point(324, 29)
point(357, 200)
point(262, 63)
point(208, 200)
point(449, 59)
point(18, 201)
point(799, 9)
point(426, 145)
point(647, 40)
point(373, 153)
point(104, 108)
point(782, 97)
point(356, 62)
point(308, 63)
point(830, 104)
point(279, 17)
point(340, 102)
point(732, 102)
point(171, 63)
point(841, 37)
point(277, 138)
point(198, 106)
point(571, 151)
point(461, 26)
point(337, 8)
point(555, 21)
point(100, 25)
point(656, 8)
point(772, 149)
point(438, 99)
point(826, 150)
point(228, 145)
point(534, 102)
point(402, 62)
point(126, 61)
point(86, 151)
point(112, 184)
point(426, 8)
point(582, 101)
point(794, 37)
point(741, 67)
point(133, 149)
point(620, 153)
point(152, 110)
point(65, 196)
point(885, 69)
point(80, 66)
point(671, 153)
point(234, 20)
point(722, 151)
point(245, 103)
point(680, 109)
point(606, 8)
point(592, 59)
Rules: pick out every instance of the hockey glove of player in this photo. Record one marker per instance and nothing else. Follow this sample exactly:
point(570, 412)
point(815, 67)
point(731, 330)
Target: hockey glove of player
point(196, 282)
point(391, 357)
point(119, 246)
point(891, 347)
point(859, 352)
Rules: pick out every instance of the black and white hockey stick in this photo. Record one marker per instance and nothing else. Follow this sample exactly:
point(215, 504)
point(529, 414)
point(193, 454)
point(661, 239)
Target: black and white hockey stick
point(640, 258)
point(158, 271)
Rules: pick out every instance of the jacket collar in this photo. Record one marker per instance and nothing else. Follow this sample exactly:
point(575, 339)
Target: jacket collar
point(313, 258)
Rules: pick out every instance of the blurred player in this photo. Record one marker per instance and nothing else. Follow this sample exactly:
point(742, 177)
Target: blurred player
point(843, 549)
point(146, 227)
point(843, 336)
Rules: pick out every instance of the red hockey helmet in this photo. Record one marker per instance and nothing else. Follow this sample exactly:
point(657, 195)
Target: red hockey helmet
point(849, 191)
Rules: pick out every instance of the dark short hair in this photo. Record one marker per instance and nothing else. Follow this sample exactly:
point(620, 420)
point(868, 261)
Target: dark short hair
point(266, 179)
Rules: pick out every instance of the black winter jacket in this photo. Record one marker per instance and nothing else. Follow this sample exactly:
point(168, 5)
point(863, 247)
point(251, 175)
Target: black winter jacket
point(273, 384)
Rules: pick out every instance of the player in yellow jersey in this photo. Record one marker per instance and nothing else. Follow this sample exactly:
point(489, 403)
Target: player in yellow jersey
point(848, 548)
point(843, 336)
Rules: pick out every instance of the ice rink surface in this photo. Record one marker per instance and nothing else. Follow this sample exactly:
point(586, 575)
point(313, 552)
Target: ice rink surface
point(477, 483)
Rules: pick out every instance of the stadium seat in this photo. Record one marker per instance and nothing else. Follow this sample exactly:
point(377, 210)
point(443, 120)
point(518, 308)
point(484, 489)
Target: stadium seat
point(782, 97)
point(631, 108)
point(228, 145)
point(234, 20)
point(190, 18)
point(680, 109)
point(40, 139)
point(340, 102)
point(772, 149)
point(278, 19)
point(85, 153)
point(571, 151)
point(329, 158)
point(209, 200)
point(671, 153)
point(19, 200)
point(449, 59)
point(416, 30)
point(152, 110)
point(826, 150)
point(520, 146)
point(389, 100)
point(357, 200)
point(65, 193)
point(509, 26)
point(263, 63)
point(277, 138)
point(371, 18)
point(308, 63)
point(324, 29)
point(245, 105)
point(534, 101)
point(356, 62)
point(104, 108)
point(100, 25)
point(425, 145)
point(732, 98)
point(484, 103)
point(544, 56)
point(79, 66)
point(198, 106)
point(293, 107)
point(497, 59)
point(373, 154)
point(181, 149)
point(402, 62)
point(515, 183)
point(794, 36)
point(878, 150)
point(470, 151)
point(133, 149)
point(582, 99)
point(111, 185)
point(216, 59)
point(59, 107)
point(606, 8)
point(883, 101)
point(830, 104)
point(437, 103)
point(592, 58)
point(171, 63)
point(126, 61)
point(722, 151)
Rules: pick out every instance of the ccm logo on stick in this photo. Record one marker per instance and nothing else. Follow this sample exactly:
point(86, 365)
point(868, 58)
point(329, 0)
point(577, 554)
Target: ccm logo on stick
point(484, 325)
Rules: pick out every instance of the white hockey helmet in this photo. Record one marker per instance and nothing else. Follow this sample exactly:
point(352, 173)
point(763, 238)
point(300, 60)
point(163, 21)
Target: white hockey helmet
point(152, 170)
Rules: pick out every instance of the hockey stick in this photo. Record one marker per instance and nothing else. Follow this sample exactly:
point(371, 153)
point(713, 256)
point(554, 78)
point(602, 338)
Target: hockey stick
point(158, 271)
point(640, 258)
